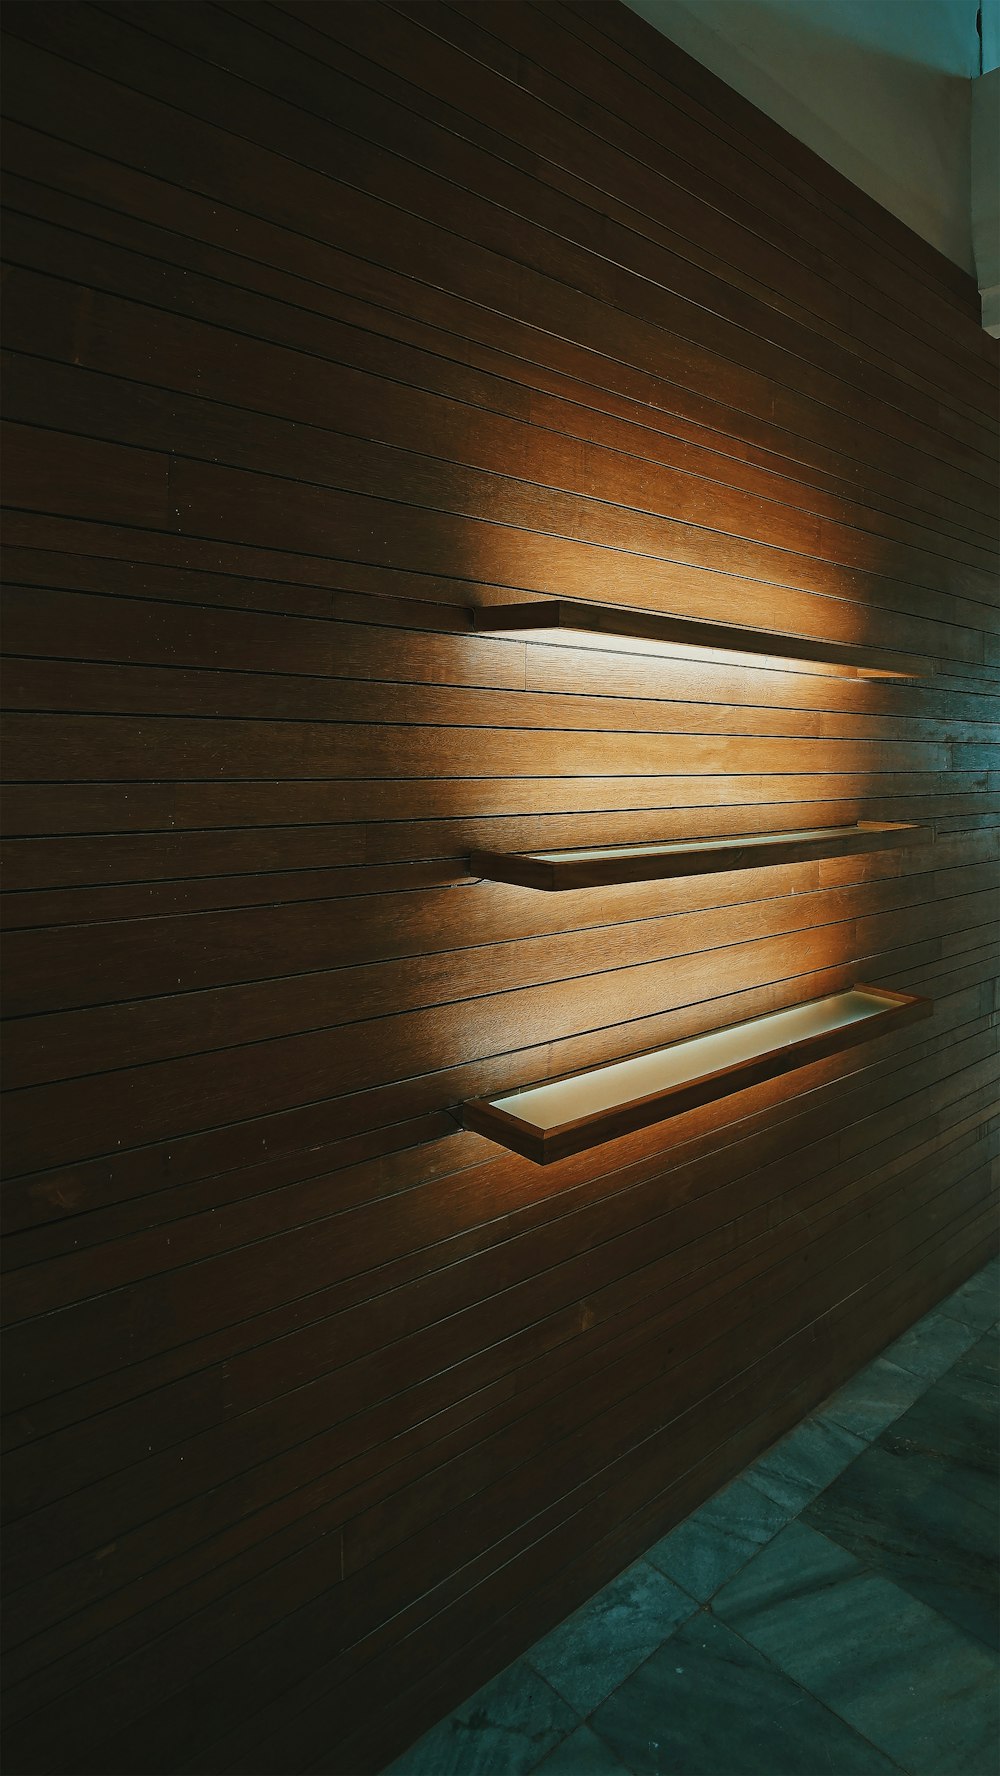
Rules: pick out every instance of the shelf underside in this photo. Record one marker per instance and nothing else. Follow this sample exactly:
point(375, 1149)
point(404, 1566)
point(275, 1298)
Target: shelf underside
point(600, 867)
point(549, 1121)
point(609, 626)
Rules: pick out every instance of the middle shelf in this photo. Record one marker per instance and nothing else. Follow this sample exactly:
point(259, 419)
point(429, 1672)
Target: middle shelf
point(602, 866)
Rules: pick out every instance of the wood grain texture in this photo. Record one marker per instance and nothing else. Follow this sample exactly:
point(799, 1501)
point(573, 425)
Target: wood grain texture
point(330, 331)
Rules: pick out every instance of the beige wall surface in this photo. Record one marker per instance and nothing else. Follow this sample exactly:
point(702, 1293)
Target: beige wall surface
point(986, 194)
point(883, 92)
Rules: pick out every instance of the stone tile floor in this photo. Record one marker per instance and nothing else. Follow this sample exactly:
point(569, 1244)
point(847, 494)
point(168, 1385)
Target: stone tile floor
point(833, 1610)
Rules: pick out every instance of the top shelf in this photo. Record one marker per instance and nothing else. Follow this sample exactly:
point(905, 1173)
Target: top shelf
point(604, 866)
point(611, 626)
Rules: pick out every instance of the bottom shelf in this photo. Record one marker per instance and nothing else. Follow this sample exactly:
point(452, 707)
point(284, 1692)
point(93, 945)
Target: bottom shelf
point(562, 1116)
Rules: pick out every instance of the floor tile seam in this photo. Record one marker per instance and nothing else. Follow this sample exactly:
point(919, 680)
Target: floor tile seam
point(946, 1308)
point(882, 1578)
point(582, 1727)
point(644, 1560)
point(872, 1435)
point(971, 1634)
point(748, 1477)
point(950, 1468)
point(920, 1445)
point(702, 1520)
point(799, 1685)
point(855, 1380)
point(962, 1508)
point(794, 1515)
point(981, 1331)
point(960, 1399)
point(979, 1336)
point(583, 1718)
point(920, 1374)
point(454, 1714)
point(753, 1550)
point(830, 1537)
point(938, 1382)
point(822, 1413)
point(930, 1379)
point(946, 1465)
point(549, 1685)
point(695, 1609)
point(605, 1741)
point(881, 1360)
point(864, 1570)
point(902, 1582)
point(720, 1498)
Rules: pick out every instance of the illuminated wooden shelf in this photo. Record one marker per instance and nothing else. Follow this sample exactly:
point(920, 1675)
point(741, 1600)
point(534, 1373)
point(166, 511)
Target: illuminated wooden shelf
point(600, 867)
point(610, 626)
point(547, 1122)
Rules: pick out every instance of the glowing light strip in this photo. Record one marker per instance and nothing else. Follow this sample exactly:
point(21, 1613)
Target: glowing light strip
point(562, 622)
point(549, 1106)
point(603, 866)
point(680, 846)
point(563, 1116)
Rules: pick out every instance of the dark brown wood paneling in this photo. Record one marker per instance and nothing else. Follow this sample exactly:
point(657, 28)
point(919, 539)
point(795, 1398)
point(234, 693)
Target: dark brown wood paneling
point(328, 326)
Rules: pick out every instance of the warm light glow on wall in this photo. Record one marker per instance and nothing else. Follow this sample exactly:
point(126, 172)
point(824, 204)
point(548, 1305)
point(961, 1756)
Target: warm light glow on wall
point(671, 650)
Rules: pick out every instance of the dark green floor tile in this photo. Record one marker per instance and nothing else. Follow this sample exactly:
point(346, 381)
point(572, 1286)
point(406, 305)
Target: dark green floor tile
point(956, 1419)
point(859, 1639)
point(932, 1345)
point(797, 1468)
point(712, 1544)
point(709, 1705)
point(896, 1671)
point(589, 1654)
point(505, 1729)
point(902, 1518)
point(582, 1754)
point(872, 1399)
point(977, 1302)
point(981, 1362)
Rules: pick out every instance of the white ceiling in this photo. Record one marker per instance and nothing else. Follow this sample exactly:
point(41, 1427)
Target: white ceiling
point(882, 89)
point(937, 34)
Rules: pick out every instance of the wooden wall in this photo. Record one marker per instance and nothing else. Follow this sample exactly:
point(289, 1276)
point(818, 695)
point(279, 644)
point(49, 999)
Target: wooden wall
point(325, 323)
